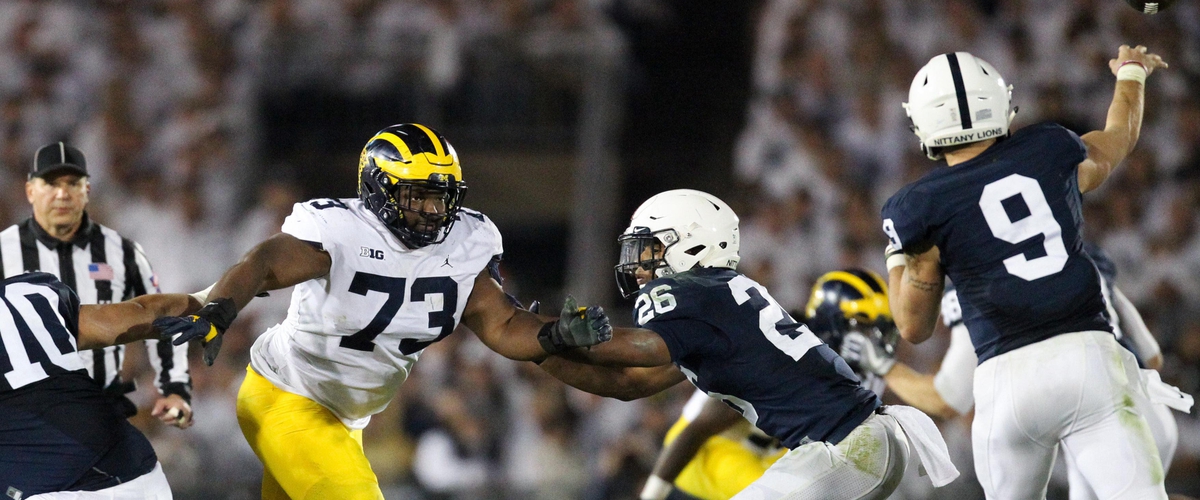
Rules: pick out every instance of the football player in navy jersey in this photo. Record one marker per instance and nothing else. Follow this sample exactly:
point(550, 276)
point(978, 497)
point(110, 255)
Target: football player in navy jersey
point(697, 318)
point(1003, 222)
point(712, 453)
point(60, 433)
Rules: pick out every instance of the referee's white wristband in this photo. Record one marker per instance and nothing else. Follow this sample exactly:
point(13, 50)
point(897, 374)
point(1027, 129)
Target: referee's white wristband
point(202, 295)
point(656, 489)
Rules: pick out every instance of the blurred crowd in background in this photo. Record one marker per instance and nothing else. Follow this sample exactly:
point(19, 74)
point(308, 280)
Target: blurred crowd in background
point(181, 106)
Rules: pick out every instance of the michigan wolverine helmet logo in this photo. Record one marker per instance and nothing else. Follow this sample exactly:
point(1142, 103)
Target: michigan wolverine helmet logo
point(852, 299)
point(409, 176)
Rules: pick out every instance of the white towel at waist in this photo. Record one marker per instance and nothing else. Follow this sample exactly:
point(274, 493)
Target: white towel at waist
point(925, 438)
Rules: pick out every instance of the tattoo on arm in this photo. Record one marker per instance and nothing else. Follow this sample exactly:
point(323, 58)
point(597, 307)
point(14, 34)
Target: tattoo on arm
point(924, 286)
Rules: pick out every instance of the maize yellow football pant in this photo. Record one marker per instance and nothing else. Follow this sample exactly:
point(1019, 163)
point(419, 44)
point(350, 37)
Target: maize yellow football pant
point(307, 453)
point(721, 468)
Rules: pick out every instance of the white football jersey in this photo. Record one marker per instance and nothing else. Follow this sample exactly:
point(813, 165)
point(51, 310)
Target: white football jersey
point(351, 338)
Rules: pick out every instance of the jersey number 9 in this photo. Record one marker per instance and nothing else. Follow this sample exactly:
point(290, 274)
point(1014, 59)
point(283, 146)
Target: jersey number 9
point(1039, 221)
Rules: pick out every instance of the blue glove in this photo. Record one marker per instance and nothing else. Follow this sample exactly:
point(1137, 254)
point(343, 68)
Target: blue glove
point(208, 324)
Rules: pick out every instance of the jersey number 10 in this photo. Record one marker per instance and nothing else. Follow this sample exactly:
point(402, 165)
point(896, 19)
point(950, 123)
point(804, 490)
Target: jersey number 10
point(31, 335)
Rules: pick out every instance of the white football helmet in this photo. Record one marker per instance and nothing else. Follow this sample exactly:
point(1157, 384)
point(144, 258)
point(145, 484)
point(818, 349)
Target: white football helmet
point(957, 99)
point(694, 229)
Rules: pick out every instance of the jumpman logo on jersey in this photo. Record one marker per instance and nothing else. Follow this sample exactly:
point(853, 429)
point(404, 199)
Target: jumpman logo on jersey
point(447, 263)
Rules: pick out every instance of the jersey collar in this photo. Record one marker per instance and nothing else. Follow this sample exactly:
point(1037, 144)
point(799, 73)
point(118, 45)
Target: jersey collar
point(81, 238)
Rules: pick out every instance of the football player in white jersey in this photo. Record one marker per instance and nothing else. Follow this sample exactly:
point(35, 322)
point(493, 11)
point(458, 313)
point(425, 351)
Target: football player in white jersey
point(378, 279)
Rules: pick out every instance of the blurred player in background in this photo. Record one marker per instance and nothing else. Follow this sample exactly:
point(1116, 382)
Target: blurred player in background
point(948, 393)
point(712, 453)
point(701, 320)
point(378, 279)
point(63, 439)
point(1003, 222)
point(98, 264)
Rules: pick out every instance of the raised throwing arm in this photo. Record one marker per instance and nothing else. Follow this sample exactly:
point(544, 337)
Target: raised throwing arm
point(1107, 148)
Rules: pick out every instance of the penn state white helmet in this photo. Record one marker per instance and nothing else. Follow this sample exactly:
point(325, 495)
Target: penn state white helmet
point(958, 98)
point(695, 229)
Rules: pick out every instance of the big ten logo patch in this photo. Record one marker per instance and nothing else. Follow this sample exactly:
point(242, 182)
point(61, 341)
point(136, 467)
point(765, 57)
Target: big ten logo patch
point(371, 253)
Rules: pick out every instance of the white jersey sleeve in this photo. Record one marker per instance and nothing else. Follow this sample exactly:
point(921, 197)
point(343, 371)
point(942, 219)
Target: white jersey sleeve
point(955, 379)
point(306, 222)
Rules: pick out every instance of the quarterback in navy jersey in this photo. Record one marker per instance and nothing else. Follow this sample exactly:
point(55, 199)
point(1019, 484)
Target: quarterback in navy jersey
point(697, 318)
point(59, 431)
point(1003, 221)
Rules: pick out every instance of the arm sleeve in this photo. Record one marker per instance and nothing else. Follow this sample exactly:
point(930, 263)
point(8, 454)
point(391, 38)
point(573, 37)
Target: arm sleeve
point(903, 221)
point(170, 362)
point(1134, 327)
point(305, 224)
point(955, 380)
point(1074, 149)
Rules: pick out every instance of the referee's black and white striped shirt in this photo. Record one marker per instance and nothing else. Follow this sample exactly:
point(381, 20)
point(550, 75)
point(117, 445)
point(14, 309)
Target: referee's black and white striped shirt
point(102, 267)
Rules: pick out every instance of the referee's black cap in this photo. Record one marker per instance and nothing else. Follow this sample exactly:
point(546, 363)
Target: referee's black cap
point(57, 157)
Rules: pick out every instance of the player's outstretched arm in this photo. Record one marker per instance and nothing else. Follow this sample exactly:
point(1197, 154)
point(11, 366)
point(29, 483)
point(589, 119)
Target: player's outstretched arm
point(279, 262)
point(500, 325)
point(629, 347)
point(917, 389)
point(1106, 148)
point(103, 325)
point(915, 289)
point(626, 384)
point(715, 416)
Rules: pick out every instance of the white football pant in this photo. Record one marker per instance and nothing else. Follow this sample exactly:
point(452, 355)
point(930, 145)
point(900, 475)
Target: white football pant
point(869, 463)
point(1078, 390)
point(150, 486)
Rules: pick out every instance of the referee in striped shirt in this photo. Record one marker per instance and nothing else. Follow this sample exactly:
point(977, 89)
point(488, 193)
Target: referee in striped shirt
point(100, 265)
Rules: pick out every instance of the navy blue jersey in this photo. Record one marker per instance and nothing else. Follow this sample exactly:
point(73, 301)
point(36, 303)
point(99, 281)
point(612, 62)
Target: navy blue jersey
point(59, 431)
point(1108, 275)
point(1007, 224)
point(736, 343)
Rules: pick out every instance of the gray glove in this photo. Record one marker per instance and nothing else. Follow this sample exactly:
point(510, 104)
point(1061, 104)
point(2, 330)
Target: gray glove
point(575, 327)
point(868, 355)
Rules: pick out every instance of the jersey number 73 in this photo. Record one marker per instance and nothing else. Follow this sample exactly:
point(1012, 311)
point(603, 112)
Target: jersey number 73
point(362, 283)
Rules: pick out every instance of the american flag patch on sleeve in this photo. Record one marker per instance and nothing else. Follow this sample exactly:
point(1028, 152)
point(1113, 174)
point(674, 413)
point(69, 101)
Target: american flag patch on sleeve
point(100, 271)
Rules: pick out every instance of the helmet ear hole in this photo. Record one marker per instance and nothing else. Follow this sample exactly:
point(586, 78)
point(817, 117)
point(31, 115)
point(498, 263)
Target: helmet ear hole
point(695, 250)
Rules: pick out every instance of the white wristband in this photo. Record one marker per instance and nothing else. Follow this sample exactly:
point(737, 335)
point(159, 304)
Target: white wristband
point(202, 295)
point(656, 489)
point(895, 258)
point(1132, 71)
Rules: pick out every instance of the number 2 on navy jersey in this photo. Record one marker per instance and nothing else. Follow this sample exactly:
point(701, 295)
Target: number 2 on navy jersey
point(364, 340)
point(794, 340)
point(1039, 221)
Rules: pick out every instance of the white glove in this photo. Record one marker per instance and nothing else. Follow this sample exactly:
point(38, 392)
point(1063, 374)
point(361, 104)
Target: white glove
point(860, 352)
